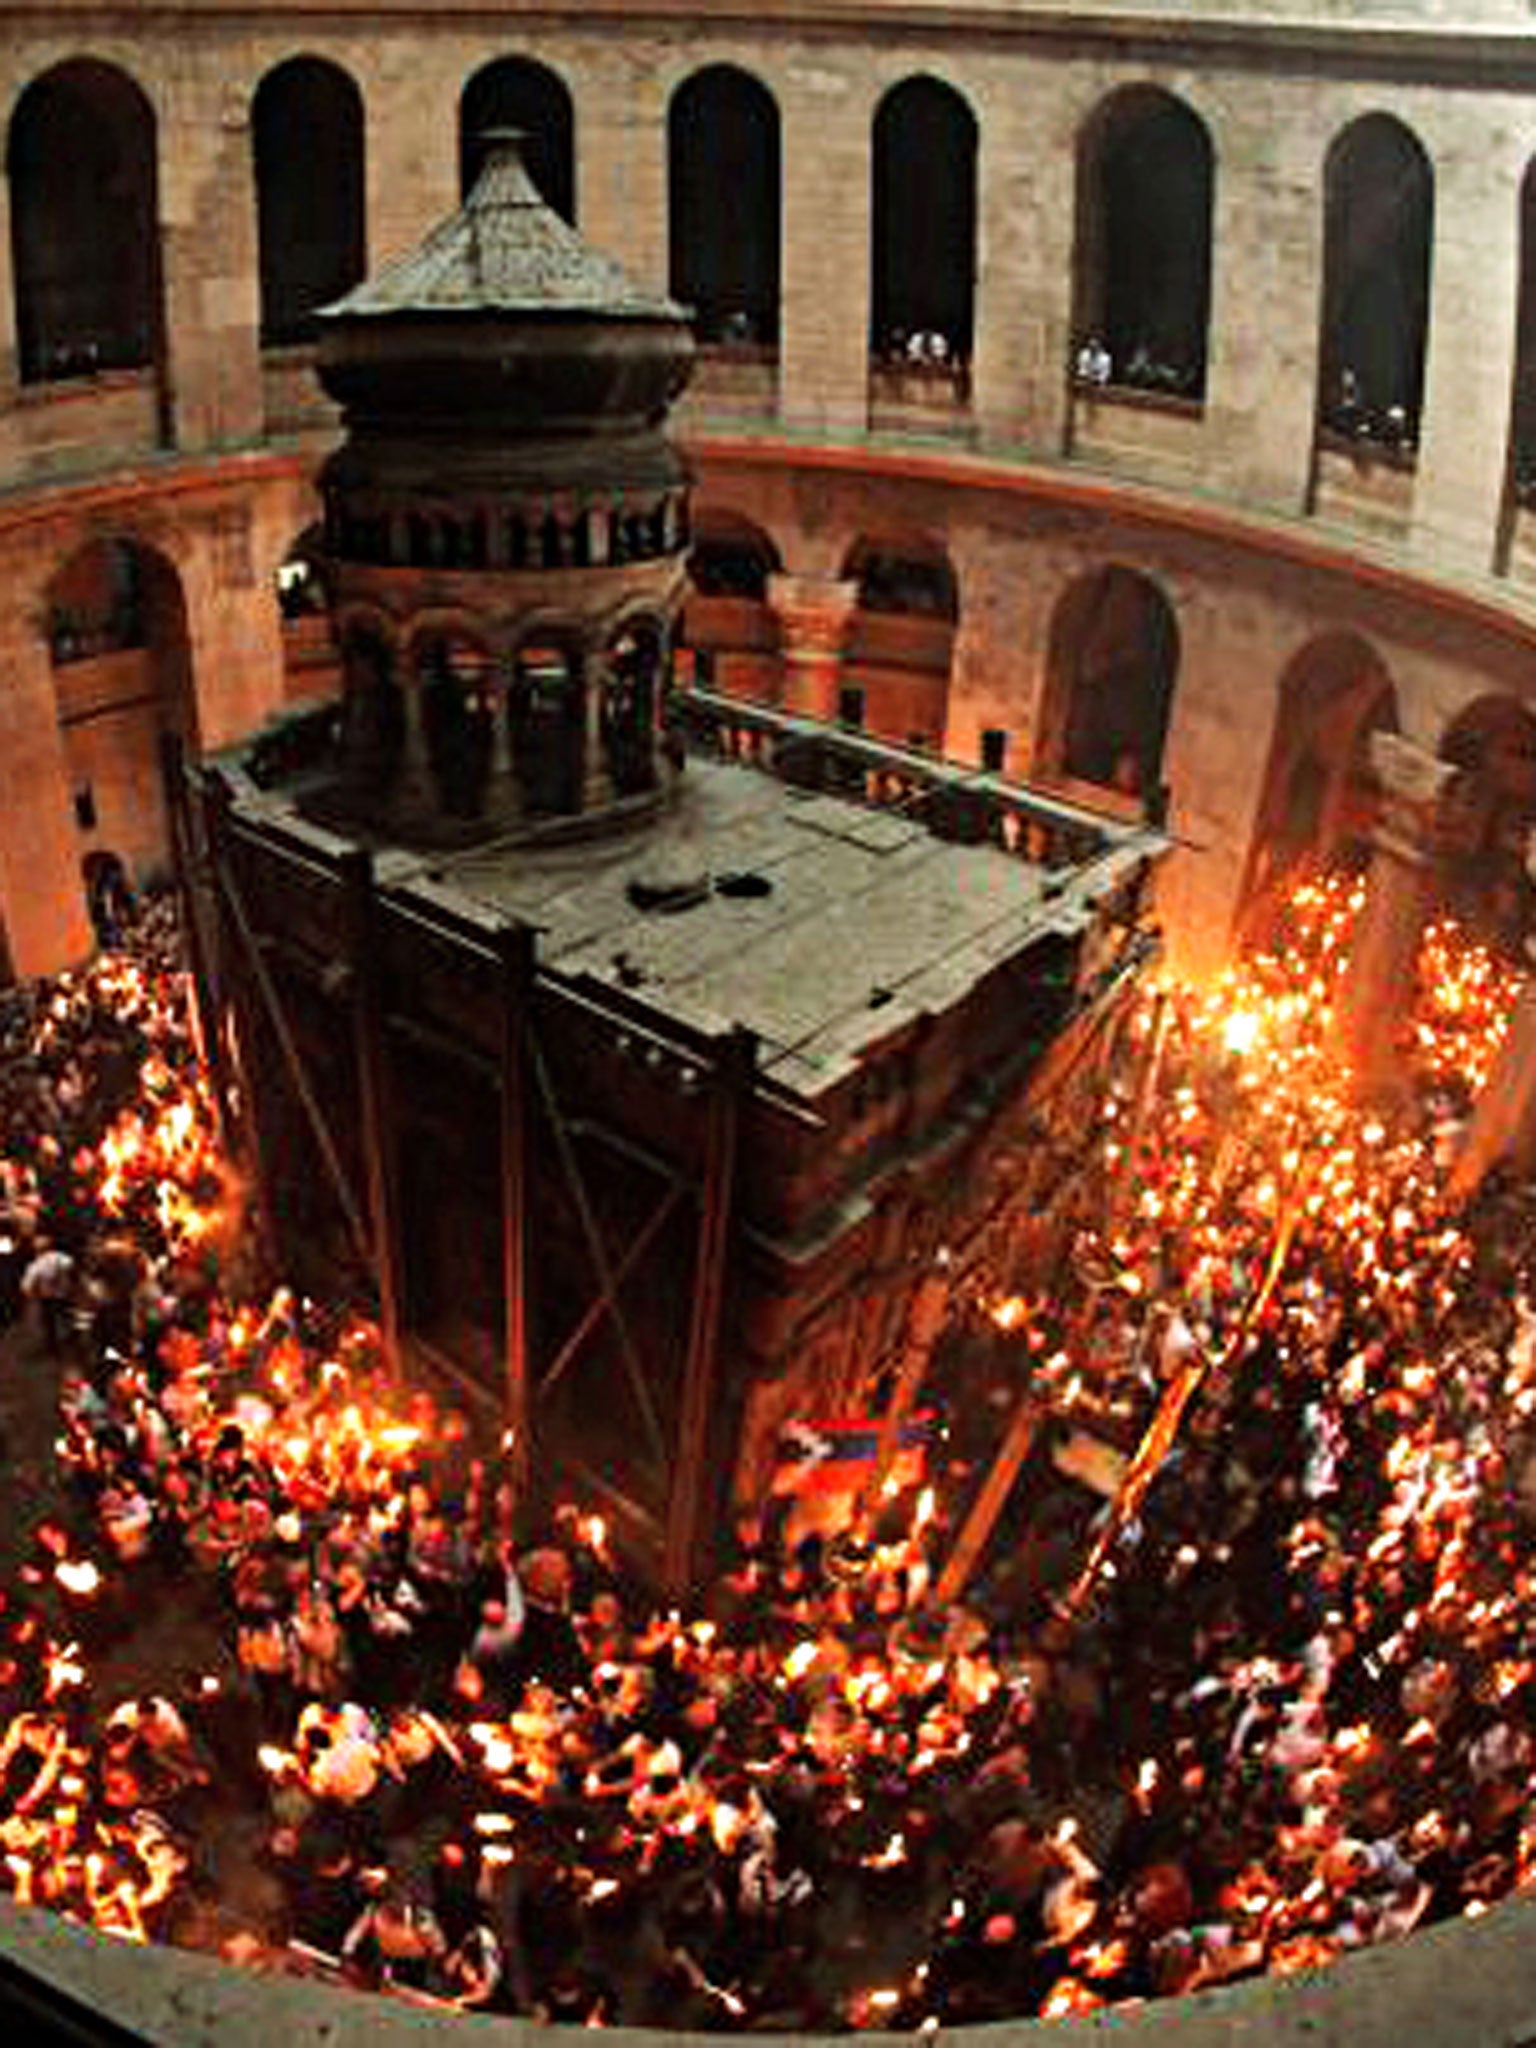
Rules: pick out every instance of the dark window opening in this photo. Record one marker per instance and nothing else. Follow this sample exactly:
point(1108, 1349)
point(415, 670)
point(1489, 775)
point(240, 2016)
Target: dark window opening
point(923, 226)
point(723, 204)
point(85, 226)
point(307, 140)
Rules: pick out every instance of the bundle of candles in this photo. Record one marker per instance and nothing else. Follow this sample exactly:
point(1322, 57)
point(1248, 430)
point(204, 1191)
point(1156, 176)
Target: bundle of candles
point(1292, 1713)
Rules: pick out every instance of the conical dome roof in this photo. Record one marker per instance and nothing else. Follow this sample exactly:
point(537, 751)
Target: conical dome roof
point(504, 350)
point(506, 251)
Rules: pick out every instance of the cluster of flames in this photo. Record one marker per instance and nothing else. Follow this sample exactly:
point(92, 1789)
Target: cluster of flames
point(1234, 1127)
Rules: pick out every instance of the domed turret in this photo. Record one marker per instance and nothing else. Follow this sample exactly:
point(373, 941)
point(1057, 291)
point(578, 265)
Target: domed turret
point(506, 521)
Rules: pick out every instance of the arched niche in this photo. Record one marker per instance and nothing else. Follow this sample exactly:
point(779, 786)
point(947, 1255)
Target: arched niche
point(723, 205)
point(455, 677)
point(900, 638)
point(1378, 226)
point(307, 156)
point(85, 224)
point(1111, 670)
point(1142, 284)
point(546, 707)
point(519, 92)
point(116, 624)
point(923, 225)
point(374, 712)
point(729, 631)
point(1486, 816)
point(1320, 795)
point(633, 677)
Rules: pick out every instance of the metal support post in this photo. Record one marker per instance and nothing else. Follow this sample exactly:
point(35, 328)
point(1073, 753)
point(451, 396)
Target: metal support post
point(372, 1060)
point(730, 1090)
point(517, 948)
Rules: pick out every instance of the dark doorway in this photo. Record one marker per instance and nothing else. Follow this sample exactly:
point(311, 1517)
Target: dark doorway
point(723, 205)
point(517, 92)
point(307, 140)
point(85, 227)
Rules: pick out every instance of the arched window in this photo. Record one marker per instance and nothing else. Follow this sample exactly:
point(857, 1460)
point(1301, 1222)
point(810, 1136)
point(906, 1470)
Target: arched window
point(923, 231)
point(85, 227)
point(307, 142)
point(1143, 264)
point(1114, 656)
point(723, 205)
point(517, 92)
point(1379, 215)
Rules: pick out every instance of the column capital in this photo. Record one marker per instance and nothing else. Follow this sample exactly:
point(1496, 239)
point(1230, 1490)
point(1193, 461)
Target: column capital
point(813, 611)
point(1413, 783)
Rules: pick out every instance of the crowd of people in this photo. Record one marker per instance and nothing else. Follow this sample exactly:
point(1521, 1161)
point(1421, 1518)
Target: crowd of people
point(1279, 1706)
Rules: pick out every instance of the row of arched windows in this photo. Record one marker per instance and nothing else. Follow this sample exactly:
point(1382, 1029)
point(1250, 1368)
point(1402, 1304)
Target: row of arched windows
point(81, 162)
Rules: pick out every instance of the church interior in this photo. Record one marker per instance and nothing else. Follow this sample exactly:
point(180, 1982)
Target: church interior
point(767, 1061)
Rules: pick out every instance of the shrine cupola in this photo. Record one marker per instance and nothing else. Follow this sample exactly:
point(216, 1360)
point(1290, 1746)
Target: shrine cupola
point(506, 522)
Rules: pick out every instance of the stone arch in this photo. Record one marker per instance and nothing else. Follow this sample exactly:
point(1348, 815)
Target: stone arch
point(1486, 815)
point(520, 92)
point(118, 641)
point(732, 556)
point(1320, 794)
point(454, 669)
point(635, 651)
point(85, 224)
point(1110, 674)
point(307, 130)
point(724, 204)
point(1146, 173)
point(923, 219)
point(546, 713)
point(728, 628)
point(903, 572)
point(901, 636)
point(1378, 224)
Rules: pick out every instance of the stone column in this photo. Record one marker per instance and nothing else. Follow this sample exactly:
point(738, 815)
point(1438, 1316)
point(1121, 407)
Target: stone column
point(596, 784)
point(9, 368)
point(813, 614)
point(1372, 1000)
point(1024, 227)
point(621, 173)
point(415, 793)
point(824, 318)
point(1458, 496)
point(411, 156)
point(1266, 286)
point(42, 899)
point(208, 256)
